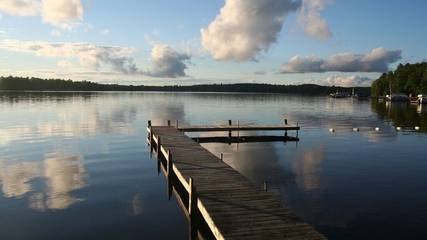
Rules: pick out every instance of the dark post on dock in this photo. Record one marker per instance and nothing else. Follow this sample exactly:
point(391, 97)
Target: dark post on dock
point(231, 206)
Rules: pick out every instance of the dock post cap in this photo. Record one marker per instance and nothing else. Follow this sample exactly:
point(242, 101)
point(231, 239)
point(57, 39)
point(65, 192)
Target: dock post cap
point(331, 130)
point(356, 129)
point(417, 128)
point(398, 128)
point(377, 129)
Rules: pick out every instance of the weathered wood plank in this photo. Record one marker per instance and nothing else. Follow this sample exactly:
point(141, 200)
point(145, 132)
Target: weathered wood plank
point(232, 207)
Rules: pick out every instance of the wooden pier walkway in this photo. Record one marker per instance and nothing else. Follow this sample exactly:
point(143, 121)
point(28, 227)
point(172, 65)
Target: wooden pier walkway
point(244, 127)
point(231, 206)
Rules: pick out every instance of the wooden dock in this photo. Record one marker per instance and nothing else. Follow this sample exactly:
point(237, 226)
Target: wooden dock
point(245, 127)
point(231, 206)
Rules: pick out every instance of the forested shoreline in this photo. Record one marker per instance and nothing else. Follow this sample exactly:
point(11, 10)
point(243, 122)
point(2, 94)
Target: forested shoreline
point(36, 84)
point(406, 79)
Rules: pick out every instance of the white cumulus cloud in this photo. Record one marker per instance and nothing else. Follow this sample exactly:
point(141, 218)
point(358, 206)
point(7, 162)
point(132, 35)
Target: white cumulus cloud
point(21, 7)
point(311, 21)
point(378, 60)
point(244, 28)
point(167, 62)
point(64, 14)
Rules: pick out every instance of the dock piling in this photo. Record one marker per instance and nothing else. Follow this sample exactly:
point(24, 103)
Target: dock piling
point(192, 198)
point(265, 186)
point(159, 148)
point(170, 164)
point(169, 123)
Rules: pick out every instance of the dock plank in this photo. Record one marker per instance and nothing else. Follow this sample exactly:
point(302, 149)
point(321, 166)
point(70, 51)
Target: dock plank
point(233, 207)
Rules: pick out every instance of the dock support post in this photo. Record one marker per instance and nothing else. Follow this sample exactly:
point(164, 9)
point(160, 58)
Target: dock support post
point(192, 207)
point(192, 199)
point(169, 123)
point(229, 132)
point(176, 123)
point(222, 157)
point(297, 130)
point(265, 186)
point(286, 121)
point(169, 172)
point(159, 150)
point(150, 136)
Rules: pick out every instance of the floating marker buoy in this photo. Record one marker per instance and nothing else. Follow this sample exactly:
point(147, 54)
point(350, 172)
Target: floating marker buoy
point(355, 129)
point(417, 128)
point(331, 130)
point(377, 129)
point(398, 128)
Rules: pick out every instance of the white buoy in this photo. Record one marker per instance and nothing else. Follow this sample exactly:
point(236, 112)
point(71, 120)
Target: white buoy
point(398, 128)
point(331, 130)
point(417, 128)
point(377, 129)
point(355, 129)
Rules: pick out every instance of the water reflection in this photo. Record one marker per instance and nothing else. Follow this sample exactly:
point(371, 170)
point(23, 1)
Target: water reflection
point(15, 179)
point(342, 181)
point(70, 120)
point(56, 177)
point(137, 205)
point(307, 167)
point(402, 114)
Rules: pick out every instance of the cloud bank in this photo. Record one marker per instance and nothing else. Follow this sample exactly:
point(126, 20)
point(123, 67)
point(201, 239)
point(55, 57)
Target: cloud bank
point(167, 62)
point(64, 14)
point(90, 56)
point(378, 60)
point(347, 81)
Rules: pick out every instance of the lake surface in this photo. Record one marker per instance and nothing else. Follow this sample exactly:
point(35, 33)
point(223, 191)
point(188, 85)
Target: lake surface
point(77, 166)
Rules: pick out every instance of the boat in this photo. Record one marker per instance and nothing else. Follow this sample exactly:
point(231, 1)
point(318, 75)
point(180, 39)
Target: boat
point(422, 99)
point(397, 98)
point(339, 95)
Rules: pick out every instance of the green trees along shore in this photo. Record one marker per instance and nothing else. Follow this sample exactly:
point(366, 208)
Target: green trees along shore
point(406, 79)
point(36, 84)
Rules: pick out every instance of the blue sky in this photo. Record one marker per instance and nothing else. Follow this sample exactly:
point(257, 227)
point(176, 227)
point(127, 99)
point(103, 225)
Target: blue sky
point(160, 42)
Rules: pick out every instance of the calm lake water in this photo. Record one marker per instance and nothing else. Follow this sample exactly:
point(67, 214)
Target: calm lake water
point(77, 166)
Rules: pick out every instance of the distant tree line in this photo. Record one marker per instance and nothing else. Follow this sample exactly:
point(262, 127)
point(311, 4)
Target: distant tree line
point(37, 84)
point(407, 79)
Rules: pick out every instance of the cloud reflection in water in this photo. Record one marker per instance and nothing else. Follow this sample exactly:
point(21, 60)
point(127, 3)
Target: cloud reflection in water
point(59, 175)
